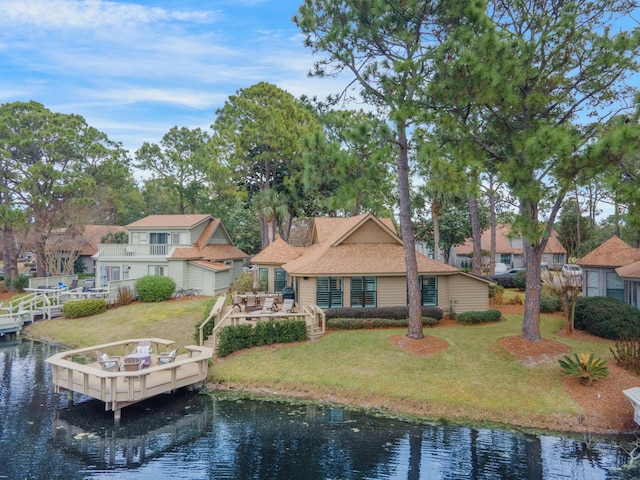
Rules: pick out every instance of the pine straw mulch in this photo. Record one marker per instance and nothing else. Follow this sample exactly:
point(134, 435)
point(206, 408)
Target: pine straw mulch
point(605, 409)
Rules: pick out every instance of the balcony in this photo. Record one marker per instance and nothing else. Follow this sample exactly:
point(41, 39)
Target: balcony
point(126, 250)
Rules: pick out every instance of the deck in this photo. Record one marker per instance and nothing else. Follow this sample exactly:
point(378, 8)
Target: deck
point(122, 388)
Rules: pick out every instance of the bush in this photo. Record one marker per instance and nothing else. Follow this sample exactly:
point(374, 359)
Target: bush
point(396, 313)
point(520, 280)
point(84, 308)
point(479, 317)
point(237, 337)
point(19, 282)
point(154, 288)
point(125, 296)
point(588, 367)
point(369, 323)
point(504, 281)
point(244, 283)
point(627, 355)
point(607, 318)
point(550, 305)
point(208, 328)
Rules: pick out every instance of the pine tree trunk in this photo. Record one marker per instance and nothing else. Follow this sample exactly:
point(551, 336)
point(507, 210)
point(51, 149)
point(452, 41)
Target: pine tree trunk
point(408, 240)
point(531, 320)
point(476, 267)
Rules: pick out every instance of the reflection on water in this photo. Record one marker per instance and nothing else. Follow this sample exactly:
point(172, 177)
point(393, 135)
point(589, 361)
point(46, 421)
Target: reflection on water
point(193, 436)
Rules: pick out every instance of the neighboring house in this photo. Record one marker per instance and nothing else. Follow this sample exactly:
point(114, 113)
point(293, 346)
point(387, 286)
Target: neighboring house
point(612, 270)
point(509, 250)
point(196, 251)
point(84, 244)
point(359, 262)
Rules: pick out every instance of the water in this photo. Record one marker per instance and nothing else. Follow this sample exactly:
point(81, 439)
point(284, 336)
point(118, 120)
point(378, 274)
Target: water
point(194, 436)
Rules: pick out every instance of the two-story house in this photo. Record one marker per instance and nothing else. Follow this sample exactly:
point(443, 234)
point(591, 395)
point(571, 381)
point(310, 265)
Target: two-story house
point(196, 251)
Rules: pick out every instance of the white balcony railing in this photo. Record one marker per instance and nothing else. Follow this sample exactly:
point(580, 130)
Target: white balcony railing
point(127, 250)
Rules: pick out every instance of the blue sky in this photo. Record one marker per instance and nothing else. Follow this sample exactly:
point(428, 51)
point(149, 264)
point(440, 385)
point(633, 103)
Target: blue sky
point(135, 69)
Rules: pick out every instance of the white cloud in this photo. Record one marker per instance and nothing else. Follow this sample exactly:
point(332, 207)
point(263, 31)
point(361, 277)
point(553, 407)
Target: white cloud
point(91, 14)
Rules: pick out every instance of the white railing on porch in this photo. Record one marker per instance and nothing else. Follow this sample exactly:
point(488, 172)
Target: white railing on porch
point(127, 250)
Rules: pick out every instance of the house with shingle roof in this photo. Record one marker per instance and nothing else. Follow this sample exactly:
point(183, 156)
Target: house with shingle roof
point(196, 251)
point(359, 262)
point(509, 250)
point(84, 243)
point(612, 270)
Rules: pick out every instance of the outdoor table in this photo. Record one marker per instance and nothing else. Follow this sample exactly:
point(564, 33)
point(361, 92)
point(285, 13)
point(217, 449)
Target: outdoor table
point(144, 357)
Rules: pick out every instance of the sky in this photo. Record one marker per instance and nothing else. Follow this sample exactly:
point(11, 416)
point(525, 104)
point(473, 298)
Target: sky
point(135, 69)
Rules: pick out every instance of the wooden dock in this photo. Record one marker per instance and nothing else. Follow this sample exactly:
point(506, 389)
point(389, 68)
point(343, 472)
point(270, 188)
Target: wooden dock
point(118, 389)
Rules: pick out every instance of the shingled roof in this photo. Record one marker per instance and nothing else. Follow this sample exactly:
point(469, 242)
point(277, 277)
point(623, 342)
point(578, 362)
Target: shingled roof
point(169, 221)
point(612, 253)
point(360, 245)
point(504, 243)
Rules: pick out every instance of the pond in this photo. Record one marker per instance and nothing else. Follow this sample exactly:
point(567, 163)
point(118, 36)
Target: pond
point(188, 435)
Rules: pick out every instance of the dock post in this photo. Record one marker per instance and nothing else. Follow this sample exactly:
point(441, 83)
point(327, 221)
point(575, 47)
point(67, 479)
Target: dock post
point(70, 397)
point(117, 413)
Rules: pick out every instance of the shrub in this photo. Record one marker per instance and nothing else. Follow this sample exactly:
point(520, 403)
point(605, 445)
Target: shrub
point(237, 337)
point(519, 280)
point(479, 317)
point(154, 288)
point(550, 305)
point(244, 283)
point(208, 328)
point(125, 296)
point(396, 313)
point(233, 338)
point(19, 282)
point(607, 318)
point(588, 368)
point(496, 293)
point(84, 308)
point(627, 355)
point(368, 323)
point(504, 281)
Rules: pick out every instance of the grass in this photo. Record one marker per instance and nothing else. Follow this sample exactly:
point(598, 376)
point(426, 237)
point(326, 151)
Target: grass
point(474, 379)
point(473, 375)
point(170, 320)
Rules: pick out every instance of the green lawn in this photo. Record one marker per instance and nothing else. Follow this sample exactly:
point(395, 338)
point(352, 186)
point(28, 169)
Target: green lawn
point(474, 379)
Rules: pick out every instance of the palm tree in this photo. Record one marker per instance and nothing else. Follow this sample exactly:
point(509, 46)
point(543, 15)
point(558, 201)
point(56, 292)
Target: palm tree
point(271, 206)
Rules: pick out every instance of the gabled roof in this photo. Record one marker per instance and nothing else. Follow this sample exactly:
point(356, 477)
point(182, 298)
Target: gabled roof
point(277, 253)
point(215, 266)
point(209, 253)
point(504, 243)
point(631, 271)
point(85, 243)
point(361, 245)
point(612, 253)
point(169, 221)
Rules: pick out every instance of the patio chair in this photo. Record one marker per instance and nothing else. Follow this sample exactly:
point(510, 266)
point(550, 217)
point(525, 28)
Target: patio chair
point(287, 305)
point(167, 357)
point(132, 364)
point(251, 302)
point(63, 286)
point(144, 346)
point(269, 305)
point(110, 364)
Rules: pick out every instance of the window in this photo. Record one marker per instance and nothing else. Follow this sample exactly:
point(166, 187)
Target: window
point(113, 273)
point(363, 292)
point(263, 277)
point(159, 243)
point(175, 239)
point(158, 270)
point(615, 286)
point(428, 291)
point(280, 280)
point(329, 292)
point(593, 284)
point(125, 272)
point(505, 258)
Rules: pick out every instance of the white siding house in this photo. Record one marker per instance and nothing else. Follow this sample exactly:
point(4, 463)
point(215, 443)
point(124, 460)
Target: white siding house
point(196, 251)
